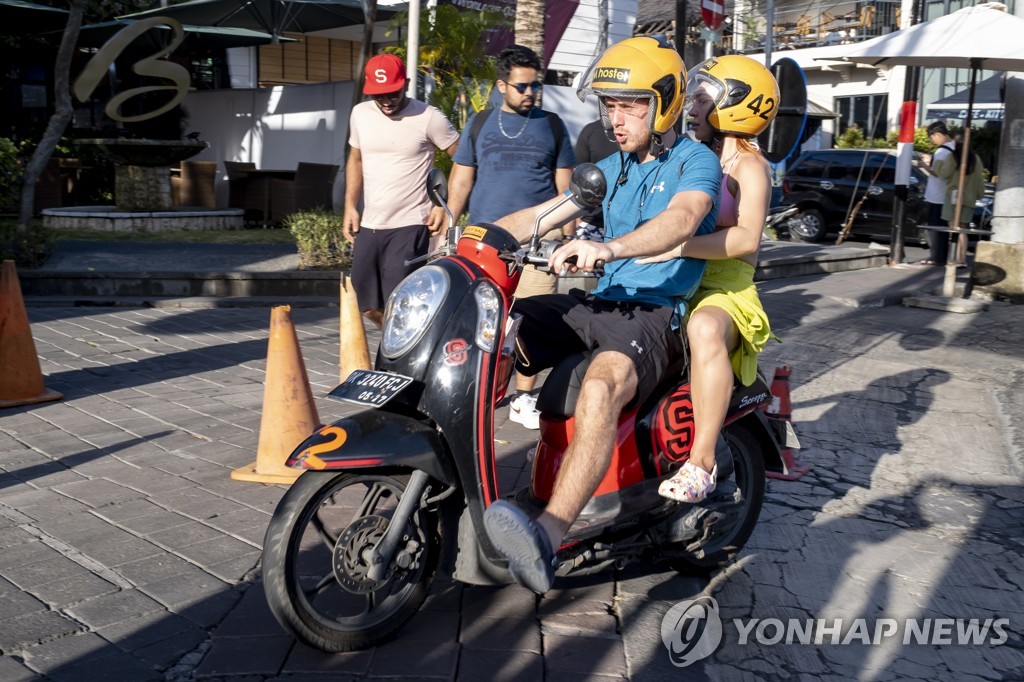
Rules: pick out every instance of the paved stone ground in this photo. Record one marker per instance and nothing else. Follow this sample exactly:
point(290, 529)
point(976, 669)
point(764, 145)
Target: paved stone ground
point(127, 553)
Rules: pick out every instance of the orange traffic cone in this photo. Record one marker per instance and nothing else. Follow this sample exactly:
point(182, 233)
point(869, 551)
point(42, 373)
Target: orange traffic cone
point(21, 379)
point(353, 351)
point(289, 413)
point(780, 410)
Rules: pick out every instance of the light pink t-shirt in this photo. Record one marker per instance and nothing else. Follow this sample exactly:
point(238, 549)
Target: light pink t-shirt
point(397, 154)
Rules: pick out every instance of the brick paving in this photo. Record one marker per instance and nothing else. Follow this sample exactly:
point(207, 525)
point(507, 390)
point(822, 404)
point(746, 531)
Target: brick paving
point(127, 553)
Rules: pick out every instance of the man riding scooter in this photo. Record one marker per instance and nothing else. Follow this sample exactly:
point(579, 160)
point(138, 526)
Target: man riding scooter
point(665, 191)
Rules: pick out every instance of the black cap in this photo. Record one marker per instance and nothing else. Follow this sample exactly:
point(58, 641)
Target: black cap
point(938, 127)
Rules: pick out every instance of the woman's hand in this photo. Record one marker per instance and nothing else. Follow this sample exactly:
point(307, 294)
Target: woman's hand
point(661, 257)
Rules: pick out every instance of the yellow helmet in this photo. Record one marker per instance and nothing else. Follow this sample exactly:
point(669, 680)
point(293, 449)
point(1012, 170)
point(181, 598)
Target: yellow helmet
point(640, 67)
point(744, 92)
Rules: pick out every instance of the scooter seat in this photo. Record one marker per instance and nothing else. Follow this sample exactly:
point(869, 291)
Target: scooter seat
point(561, 389)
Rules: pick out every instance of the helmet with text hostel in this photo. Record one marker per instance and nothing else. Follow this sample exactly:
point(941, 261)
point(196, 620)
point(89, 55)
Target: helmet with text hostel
point(646, 67)
point(745, 94)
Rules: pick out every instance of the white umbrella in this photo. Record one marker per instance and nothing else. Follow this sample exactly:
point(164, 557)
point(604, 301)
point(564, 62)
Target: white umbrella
point(980, 37)
point(983, 36)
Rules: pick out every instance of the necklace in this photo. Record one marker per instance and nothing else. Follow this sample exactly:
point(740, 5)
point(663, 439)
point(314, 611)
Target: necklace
point(501, 126)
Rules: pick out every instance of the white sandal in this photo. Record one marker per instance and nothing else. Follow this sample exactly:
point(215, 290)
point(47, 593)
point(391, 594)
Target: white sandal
point(690, 484)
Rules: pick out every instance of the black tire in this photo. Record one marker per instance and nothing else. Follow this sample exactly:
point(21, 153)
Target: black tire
point(809, 226)
point(317, 590)
point(748, 475)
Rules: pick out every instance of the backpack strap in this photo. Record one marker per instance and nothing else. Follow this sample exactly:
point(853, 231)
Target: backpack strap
point(474, 130)
point(557, 131)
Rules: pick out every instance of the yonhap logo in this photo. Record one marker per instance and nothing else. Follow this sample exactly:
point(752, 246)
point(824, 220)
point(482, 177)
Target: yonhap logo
point(691, 630)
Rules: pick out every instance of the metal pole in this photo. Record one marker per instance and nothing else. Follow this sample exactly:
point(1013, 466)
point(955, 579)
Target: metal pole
point(769, 34)
point(681, 29)
point(413, 53)
point(905, 154)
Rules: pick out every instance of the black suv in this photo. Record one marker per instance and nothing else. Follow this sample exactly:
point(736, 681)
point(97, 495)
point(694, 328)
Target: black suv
point(828, 183)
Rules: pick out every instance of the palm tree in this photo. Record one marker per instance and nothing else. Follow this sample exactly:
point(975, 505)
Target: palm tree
point(529, 26)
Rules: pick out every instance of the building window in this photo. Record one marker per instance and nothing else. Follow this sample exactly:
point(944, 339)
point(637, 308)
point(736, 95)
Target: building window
point(868, 112)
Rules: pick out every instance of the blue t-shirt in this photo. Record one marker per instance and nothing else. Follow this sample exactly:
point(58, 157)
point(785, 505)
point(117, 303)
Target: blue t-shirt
point(512, 173)
point(686, 166)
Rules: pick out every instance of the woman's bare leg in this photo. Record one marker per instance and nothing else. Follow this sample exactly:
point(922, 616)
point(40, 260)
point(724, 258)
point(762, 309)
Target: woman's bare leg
point(712, 336)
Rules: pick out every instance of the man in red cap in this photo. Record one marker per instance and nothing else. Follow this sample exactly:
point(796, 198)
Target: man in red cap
point(393, 138)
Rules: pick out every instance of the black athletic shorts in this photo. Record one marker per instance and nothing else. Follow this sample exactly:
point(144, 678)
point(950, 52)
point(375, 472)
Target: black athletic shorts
point(556, 326)
point(378, 261)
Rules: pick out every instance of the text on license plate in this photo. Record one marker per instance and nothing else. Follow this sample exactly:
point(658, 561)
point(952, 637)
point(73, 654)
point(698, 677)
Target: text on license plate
point(370, 387)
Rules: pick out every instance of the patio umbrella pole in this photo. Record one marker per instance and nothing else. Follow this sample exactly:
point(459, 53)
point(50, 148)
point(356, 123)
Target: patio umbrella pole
point(949, 281)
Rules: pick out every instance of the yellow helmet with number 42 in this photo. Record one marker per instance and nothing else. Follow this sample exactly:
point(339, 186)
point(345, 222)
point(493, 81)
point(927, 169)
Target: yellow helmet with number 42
point(745, 94)
point(648, 67)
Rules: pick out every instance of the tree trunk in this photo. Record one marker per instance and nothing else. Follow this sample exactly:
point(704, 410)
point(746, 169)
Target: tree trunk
point(530, 15)
point(603, 19)
point(63, 111)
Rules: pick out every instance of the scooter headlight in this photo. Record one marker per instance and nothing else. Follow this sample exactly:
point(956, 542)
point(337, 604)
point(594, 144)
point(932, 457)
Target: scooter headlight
point(411, 308)
point(488, 311)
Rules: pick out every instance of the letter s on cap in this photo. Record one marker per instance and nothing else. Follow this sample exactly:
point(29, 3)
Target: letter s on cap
point(380, 76)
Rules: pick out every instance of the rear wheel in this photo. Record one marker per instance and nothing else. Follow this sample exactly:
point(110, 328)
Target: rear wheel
point(809, 226)
point(316, 558)
point(746, 485)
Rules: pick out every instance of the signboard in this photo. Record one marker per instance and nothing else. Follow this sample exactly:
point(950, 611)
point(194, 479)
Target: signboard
point(713, 12)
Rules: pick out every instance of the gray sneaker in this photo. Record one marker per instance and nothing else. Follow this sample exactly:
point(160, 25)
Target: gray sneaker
point(523, 410)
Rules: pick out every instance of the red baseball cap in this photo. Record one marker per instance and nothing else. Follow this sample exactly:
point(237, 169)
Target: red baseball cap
point(385, 73)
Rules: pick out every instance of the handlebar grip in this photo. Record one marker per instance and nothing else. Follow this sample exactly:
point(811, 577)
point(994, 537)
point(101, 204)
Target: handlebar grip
point(598, 264)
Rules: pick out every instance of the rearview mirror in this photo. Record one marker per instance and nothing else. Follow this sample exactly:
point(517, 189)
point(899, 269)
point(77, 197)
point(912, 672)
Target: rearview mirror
point(588, 185)
point(437, 187)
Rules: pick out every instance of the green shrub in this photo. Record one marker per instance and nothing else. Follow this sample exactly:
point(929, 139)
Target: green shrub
point(10, 172)
point(28, 250)
point(320, 240)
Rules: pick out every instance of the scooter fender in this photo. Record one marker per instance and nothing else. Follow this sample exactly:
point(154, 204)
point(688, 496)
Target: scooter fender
point(373, 439)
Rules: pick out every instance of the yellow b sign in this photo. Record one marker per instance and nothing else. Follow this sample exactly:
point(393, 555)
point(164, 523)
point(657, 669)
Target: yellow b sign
point(96, 69)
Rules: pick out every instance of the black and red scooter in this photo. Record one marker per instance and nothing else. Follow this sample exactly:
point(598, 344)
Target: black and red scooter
point(396, 492)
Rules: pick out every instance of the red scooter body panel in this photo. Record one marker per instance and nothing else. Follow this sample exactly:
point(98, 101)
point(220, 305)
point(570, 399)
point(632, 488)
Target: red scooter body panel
point(555, 436)
point(672, 432)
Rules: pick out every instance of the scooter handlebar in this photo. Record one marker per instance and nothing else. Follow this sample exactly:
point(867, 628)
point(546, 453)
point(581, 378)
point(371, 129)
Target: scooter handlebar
point(542, 256)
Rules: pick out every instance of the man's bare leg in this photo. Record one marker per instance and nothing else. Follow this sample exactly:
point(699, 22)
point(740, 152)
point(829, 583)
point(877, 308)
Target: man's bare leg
point(610, 383)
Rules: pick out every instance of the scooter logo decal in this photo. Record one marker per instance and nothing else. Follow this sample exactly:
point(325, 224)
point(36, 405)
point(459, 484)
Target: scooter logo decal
point(691, 630)
point(455, 352)
point(676, 424)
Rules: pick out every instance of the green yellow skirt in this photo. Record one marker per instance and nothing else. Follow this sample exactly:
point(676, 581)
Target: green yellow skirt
point(729, 285)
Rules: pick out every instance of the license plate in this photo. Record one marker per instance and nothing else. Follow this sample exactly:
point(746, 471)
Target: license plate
point(370, 387)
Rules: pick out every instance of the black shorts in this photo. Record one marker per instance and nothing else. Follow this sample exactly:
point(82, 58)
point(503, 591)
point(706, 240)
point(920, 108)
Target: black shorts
point(556, 326)
point(378, 261)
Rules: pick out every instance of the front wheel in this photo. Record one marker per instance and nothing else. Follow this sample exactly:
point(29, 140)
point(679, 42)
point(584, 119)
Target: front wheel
point(316, 560)
point(808, 226)
point(744, 491)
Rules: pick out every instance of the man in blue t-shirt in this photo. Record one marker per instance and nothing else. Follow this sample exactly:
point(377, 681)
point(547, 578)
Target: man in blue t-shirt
point(662, 190)
point(514, 156)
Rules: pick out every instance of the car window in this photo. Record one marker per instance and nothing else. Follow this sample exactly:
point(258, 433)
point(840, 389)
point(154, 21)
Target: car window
point(811, 166)
point(847, 167)
point(887, 175)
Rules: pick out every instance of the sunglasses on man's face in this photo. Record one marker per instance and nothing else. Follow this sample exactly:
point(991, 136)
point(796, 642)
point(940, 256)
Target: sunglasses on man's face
point(521, 87)
point(388, 96)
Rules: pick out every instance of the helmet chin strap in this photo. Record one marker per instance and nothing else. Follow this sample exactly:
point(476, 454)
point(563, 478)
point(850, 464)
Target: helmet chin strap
point(657, 145)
